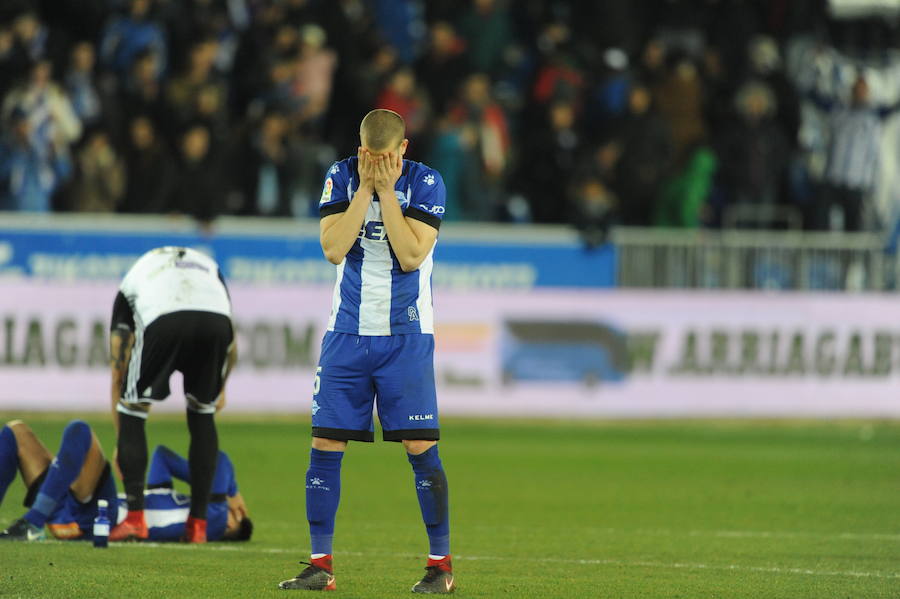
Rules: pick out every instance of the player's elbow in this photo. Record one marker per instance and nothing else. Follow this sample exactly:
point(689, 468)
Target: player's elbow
point(332, 255)
point(410, 263)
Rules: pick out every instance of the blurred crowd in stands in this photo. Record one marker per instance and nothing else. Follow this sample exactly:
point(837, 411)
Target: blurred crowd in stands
point(765, 113)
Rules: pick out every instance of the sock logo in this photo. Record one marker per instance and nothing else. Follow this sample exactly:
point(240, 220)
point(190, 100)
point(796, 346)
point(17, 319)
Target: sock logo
point(317, 483)
point(423, 484)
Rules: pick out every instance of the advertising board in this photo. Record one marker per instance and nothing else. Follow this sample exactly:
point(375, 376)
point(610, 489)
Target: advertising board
point(548, 353)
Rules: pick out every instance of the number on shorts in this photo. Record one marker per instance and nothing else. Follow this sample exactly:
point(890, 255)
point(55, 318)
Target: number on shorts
point(317, 383)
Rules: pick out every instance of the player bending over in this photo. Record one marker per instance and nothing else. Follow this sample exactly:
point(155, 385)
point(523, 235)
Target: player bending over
point(172, 312)
point(379, 222)
point(63, 491)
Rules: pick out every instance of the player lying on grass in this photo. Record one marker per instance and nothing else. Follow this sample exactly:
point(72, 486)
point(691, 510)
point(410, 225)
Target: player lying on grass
point(63, 491)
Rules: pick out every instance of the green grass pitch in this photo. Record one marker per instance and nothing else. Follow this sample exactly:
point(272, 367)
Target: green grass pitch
point(674, 509)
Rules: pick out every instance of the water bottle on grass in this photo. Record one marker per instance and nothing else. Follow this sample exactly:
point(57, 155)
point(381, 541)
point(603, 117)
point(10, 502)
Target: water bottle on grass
point(101, 524)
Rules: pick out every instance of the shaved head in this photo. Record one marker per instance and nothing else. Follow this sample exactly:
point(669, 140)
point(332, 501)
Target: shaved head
point(382, 130)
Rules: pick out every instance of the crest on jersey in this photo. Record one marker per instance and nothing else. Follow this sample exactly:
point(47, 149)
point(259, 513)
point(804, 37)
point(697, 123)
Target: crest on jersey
point(326, 191)
point(412, 313)
point(401, 197)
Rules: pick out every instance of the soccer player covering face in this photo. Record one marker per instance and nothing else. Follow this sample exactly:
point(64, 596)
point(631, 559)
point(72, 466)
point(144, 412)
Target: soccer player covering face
point(380, 219)
point(63, 490)
point(172, 312)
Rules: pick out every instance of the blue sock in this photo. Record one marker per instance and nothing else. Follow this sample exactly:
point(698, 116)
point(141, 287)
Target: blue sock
point(323, 493)
point(431, 487)
point(65, 468)
point(9, 459)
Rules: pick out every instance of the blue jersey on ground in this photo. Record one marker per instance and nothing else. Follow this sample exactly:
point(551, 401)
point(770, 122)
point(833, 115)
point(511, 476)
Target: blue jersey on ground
point(166, 510)
point(372, 294)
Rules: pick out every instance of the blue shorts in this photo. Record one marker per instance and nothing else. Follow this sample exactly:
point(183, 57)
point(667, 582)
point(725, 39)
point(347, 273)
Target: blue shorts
point(69, 510)
point(355, 371)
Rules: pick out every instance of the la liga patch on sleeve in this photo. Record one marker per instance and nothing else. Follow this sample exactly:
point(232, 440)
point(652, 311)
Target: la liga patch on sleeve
point(326, 191)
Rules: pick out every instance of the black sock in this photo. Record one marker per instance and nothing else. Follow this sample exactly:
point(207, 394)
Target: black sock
point(133, 459)
point(202, 458)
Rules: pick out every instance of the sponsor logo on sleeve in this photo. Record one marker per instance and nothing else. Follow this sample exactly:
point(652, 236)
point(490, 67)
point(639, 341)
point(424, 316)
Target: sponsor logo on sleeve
point(326, 191)
point(432, 209)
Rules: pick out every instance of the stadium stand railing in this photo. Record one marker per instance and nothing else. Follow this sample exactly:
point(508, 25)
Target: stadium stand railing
point(738, 259)
point(754, 259)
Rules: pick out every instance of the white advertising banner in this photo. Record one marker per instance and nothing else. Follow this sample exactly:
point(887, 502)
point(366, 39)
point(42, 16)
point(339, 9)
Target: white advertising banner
point(549, 353)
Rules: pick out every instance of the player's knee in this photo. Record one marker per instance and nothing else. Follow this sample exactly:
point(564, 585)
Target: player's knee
point(138, 410)
point(161, 450)
point(323, 444)
point(196, 406)
point(417, 446)
point(18, 426)
point(79, 427)
point(79, 432)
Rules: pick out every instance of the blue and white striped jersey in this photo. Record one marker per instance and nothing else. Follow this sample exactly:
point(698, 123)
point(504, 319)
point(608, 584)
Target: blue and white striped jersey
point(166, 512)
point(372, 294)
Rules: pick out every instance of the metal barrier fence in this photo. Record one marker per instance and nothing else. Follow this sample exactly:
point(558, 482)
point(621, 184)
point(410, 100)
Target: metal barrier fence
point(741, 259)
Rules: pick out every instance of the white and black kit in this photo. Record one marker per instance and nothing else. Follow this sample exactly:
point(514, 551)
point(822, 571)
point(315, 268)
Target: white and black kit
point(175, 302)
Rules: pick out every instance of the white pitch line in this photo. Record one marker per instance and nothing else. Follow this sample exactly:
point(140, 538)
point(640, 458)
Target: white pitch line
point(724, 534)
point(774, 534)
point(589, 562)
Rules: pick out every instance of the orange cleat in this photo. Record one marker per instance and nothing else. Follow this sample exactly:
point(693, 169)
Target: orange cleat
point(67, 531)
point(132, 528)
point(194, 530)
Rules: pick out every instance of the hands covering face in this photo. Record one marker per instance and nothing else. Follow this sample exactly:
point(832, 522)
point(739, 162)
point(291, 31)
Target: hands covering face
point(379, 171)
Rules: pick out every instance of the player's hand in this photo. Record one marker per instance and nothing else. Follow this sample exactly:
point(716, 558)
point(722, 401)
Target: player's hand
point(366, 169)
point(220, 403)
point(236, 507)
point(387, 171)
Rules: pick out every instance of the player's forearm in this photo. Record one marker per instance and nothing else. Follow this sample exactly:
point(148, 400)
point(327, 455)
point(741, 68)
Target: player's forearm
point(409, 249)
point(114, 395)
point(120, 343)
point(340, 233)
